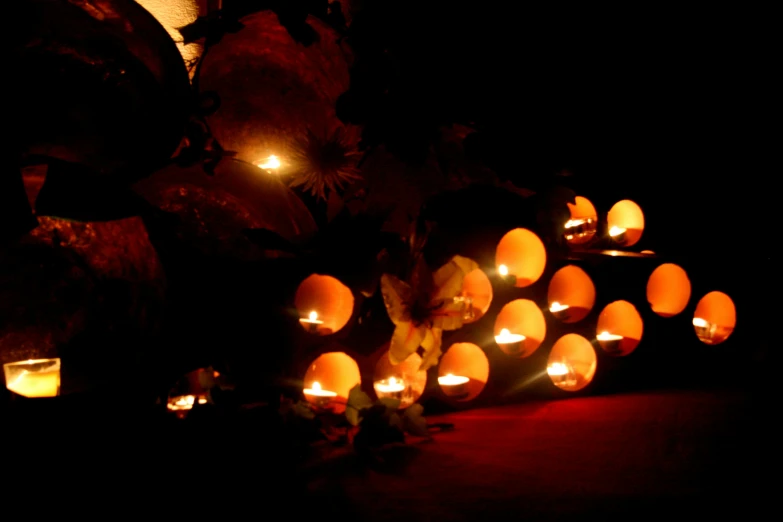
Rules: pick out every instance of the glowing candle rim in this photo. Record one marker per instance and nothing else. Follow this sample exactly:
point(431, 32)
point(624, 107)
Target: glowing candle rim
point(506, 337)
point(315, 390)
point(312, 318)
point(452, 380)
point(557, 369)
point(606, 336)
point(700, 323)
point(616, 231)
point(557, 307)
point(32, 361)
point(390, 385)
point(270, 163)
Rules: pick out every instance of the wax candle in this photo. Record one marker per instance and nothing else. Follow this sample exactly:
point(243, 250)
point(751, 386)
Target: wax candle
point(617, 234)
point(454, 385)
point(704, 329)
point(317, 395)
point(33, 378)
point(392, 388)
point(562, 374)
point(512, 344)
point(560, 311)
point(312, 323)
point(610, 342)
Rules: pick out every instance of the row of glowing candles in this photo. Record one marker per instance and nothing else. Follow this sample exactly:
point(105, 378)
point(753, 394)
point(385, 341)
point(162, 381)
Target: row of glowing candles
point(574, 227)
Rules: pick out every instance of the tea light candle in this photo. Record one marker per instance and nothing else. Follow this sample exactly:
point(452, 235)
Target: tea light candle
point(704, 329)
point(617, 234)
point(389, 388)
point(511, 344)
point(504, 273)
point(610, 342)
point(562, 374)
point(34, 377)
point(318, 395)
point(503, 270)
point(560, 311)
point(454, 385)
point(312, 322)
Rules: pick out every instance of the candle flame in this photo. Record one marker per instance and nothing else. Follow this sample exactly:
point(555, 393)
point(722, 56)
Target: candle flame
point(504, 332)
point(313, 316)
point(557, 307)
point(316, 386)
point(392, 381)
point(699, 322)
point(503, 270)
point(616, 231)
point(271, 163)
point(571, 223)
point(557, 369)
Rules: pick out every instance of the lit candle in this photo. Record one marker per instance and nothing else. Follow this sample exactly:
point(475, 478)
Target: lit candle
point(562, 374)
point(318, 395)
point(33, 378)
point(392, 388)
point(454, 385)
point(617, 234)
point(560, 311)
point(610, 342)
point(503, 270)
point(312, 322)
point(271, 163)
point(512, 344)
point(505, 274)
point(704, 329)
point(580, 228)
point(182, 403)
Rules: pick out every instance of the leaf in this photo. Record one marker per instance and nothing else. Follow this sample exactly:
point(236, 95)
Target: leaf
point(449, 278)
point(431, 344)
point(413, 421)
point(357, 401)
point(391, 405)
point(397, 296)
point(450, 315)
point(406, 339)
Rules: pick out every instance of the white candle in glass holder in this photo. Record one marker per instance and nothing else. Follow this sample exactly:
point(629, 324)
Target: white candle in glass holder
point(454, 385)
point(510, 343)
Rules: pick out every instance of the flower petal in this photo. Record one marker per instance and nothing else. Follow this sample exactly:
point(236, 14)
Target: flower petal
point(449, 278)
point(431, 344)
point(397, 297)
point(406, 339)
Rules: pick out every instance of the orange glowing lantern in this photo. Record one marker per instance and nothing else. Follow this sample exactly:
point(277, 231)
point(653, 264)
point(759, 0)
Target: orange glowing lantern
point(324, 304)
point(329, 380)
point(571, 294)
point(463, 371)
point(582, 225)
point(520, 317)
point(520, 257)
point(668, 290)
point(402, 381)
point(620, 328)
point(477, 289)
point(625, 222)
point(715, 318)
point(572, 363)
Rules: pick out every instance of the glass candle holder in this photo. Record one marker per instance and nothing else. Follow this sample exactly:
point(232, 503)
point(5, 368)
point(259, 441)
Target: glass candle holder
point(610, 342)
point(455, 386)
point(562, 374)
point(391, 388)
point(33, 378)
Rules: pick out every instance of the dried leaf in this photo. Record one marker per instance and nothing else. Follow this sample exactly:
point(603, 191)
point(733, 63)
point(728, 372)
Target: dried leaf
point(414, 422)
point(397, 296)
point(449, 278)
point(357, 401)
point(431, 344)
point(406, 339)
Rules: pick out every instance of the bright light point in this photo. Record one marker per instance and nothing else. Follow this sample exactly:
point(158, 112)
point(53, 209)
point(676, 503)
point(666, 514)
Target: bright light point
point(316, 386)
point(699, 322)
point(557, 369)
point(313, 316)
point(271, 163)
point(503, 270)
point(557, 307)
point(504, 332)
point(616, 231)
point(392, 380)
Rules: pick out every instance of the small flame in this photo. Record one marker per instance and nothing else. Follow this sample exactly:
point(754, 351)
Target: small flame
point(700, 323)
point(557, 369)
point(392, 381)
point(571, 223)
point(316, 386)
point(271, 163)
point(504, 332)
point(313, 316)
point(503, 270)
point(616, 231)
point(557, 307)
